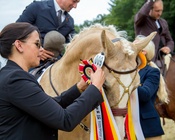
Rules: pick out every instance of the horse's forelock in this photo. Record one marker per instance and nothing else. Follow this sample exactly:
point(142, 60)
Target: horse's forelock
point(127, 47)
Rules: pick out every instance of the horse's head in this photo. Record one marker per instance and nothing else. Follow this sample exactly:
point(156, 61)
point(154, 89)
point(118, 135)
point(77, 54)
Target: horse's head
point(120, 67)
point(121, 70)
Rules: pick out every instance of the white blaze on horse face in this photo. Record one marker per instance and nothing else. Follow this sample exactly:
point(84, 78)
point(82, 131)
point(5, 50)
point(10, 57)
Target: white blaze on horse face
point(126, 80)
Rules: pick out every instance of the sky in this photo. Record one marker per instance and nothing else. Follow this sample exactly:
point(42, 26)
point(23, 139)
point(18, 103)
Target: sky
point(10, 10)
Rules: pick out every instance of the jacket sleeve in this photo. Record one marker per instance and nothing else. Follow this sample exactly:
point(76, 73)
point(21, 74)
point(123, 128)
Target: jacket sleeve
point(25, 93)
point(139, 18)
point(149, 85)
point(68, 96)
point(169, 41)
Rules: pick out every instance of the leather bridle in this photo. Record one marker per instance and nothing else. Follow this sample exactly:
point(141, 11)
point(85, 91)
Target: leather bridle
point(120, 72)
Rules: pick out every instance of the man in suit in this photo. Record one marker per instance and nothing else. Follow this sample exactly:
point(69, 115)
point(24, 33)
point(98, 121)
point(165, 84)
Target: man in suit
point(44, 15)
point(147, 20)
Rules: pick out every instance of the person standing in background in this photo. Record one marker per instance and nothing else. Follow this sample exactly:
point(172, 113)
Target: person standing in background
point(152, 84)
point(147, 20)
point(50, 15)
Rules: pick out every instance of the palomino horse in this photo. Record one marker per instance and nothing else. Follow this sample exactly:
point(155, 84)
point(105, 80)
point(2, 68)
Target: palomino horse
point(120, 69)
point(168, 110)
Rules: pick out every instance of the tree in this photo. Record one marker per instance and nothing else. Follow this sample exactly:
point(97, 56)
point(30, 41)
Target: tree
point(122, 14)
point(169, 15)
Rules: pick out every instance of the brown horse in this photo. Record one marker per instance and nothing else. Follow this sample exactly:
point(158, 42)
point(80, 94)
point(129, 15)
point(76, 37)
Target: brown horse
point(167, 110)
point(120, 69)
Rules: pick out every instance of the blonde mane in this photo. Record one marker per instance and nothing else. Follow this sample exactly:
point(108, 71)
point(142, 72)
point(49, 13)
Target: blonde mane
point(112, 29)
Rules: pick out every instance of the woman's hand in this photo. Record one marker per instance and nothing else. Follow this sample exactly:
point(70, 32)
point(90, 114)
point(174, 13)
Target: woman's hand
point(98, 78)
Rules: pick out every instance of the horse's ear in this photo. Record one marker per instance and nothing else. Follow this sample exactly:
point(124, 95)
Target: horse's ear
point(106, 42)
point(139, 45)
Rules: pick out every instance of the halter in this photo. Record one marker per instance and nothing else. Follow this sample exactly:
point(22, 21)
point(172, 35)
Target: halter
point(122, 111)
point(126, 89)
point(120, 72)
point(99, 60)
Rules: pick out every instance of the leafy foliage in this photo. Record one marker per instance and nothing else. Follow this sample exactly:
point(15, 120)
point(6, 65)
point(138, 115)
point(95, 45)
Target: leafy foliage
point(122, 12)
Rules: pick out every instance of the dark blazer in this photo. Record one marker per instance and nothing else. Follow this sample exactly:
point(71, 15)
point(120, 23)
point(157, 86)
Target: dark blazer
point(28, 113)
point(144, 25)
point(147, 92)
point(43, 15)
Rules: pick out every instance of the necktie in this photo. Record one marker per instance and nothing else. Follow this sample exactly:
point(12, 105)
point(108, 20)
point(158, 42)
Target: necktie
point(157, 23)
point(158, 26)
point(59, 17)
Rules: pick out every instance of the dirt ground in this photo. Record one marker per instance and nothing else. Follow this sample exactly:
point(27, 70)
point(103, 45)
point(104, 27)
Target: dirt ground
point(169, 129)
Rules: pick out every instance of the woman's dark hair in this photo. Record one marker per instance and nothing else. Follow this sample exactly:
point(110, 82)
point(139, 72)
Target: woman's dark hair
point(11, 32)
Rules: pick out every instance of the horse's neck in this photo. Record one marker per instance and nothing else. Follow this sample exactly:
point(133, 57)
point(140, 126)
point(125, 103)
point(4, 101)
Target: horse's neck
point(67, 71)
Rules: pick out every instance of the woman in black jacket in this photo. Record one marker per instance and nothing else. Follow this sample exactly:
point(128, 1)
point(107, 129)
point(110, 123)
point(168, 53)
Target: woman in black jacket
point(26, 111)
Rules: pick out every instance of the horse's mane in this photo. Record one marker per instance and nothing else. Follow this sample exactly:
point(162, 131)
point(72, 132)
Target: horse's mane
point(110, 28)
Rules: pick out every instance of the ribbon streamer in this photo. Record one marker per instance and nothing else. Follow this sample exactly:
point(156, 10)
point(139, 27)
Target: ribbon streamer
point(103, 126)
